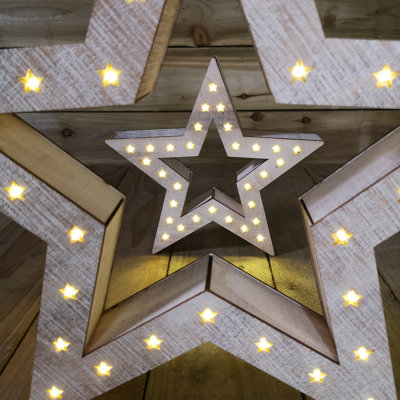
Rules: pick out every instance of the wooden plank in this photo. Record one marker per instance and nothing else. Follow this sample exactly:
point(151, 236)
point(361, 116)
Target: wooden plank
point(43, 22)
point(132, 390)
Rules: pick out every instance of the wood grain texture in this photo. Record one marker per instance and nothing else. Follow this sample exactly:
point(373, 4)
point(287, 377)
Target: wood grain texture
point(342, 68)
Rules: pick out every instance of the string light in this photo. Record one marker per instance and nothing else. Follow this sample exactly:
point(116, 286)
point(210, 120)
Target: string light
point(55, 392)
point(110, 75)
point(299, 71)
point(130, 149)
point(31, 82)
point(220, 107)
point(169, 220)
point(280, 162)
point(385, 77)
point(351, 298)
point(264, 174)
point(150, 148)
point(256, 147)
point(15, 191)
point(260, 238)
point(153, 342)
point(256, 221)
point(69, 292)
point(251, 204)
point(103, 368)
point(263, 345)
point(362, 353)
point(212, 210)
point(170, 147)
point(196, 219)
point(162, 173)
point(180, 228)
point(317, 376)
point(212, 87)
point(207, 316)
point(197, 127)
point(341, 237)
point(173, 204)
point(146, 162)
point(228, 219)
point(190, 145)
point(76, 235)
point(247, 187)
point(227, 127)
point(165, 237)
point(177, 186)
point(235, 146)
point(61, 345)
point(244, 228)
point(205, 107)
point(297, 150)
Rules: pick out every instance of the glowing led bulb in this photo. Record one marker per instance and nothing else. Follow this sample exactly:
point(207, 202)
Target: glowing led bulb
point(362, 353)
point(55, 392)
point(251, 204)
point(280, 162)
point(220, 107)
point(110, 75)
point(76, 235)
point(165, 237)
point(15, 191)
point(263, 345)
point(256, 221)
point(385, 77)
point(130, 149)
point(180, 228)
point(162, 173)
point(146, 162)
point(31, 82)
point(212, 87)
point(197, 127)
point(244, 228)
point(260, 238)
point(227, 127)
point(235, 146)
point(212, 210)
point(173, 204)
point(297, 150)
point(247, 186)
point(169, 220)
point(190, 145)
point(264, 174)
point(207, 316)
point(341, 237)
point(276, 148)
point(299, 71)
point(317, 376)
point(351, 298)
point(256, 147)
point(61, 345)
point(153, 342)
point(103, 368)
point(150, 148)
point(205, 107)
point(196, 219)
point(177, 186)
point(69, 292)
point(228, 219)
point(170, 147)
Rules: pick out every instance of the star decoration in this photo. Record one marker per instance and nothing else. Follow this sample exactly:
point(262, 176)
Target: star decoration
point(76, 235)
point(362, 353)
point(110, 75)
point(299, 71)
point(103, 368)
point(69, 292)
point(31, 82)
point(61, 345)
point(317, 375)
point(214, 205)
point(15, 191)
point(385, 77)
point(341, 237)
point(351, 298)
point(207, 316)
point(263, 345)
point(153, 342)
point(212, 87)
point(205, 107)
point(55, 393)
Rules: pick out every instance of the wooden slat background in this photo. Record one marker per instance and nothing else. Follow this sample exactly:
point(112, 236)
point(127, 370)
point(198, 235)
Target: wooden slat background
point(205, 28)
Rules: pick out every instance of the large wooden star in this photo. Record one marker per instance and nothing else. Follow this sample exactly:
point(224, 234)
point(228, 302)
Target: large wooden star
point(155, 152)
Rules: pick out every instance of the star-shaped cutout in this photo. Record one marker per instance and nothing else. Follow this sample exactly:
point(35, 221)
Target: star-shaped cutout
point(208, 316)
point(110, 75)
point(362, 353)
point(268, 164)
point(153, 342)
point(263, 345)
point(299, 71)
point(15, 191)
point(341, 237)
point(103, 368)
point(317, 375)
point(61, 345)
point(351, 298)
point(31, 82)
point(385, 77)
point(55, 393)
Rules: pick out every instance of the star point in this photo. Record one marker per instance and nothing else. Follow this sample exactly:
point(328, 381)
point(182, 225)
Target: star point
point(227, 127)
point(205, 107)
point(31, 82)
point(110, 75)
point(299, 71)
point(212, 87)
point(197, 127)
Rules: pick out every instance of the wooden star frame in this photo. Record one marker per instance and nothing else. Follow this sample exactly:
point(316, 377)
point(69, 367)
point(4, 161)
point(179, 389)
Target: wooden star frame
point(131, 36)
point(155, 152)
point(342, 73)
point(362, 197)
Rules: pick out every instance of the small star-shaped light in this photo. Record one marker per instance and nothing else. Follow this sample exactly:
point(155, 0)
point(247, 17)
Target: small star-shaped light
point(196, 219)
point(61, 345)
point(103, 368)
point(297, 150)
point(162, 173)
point(228, 219)
point(256, 147)
point(220, 107)
point(173, 204)
point(317, 376)
point(15, 191)
point(130, 149)
point(110, 75)
point(190, 145)
point(260, 238)
point(263, 345)
point(264, 174)
point(197, 127)
point(244, 228)
point(212, 87)
point(212, 210)
point(153, 342)
point(251, 204)
point(170, 147)
point(299, 71)
point(150, 148)
point(280, 162)
point(55, 392)
point(76, 235)
point(177, 186)
point(235, 146)
point(256, 221)
point(146, 162)
point(165, 237)
point(247, 186)
point(351, 298)
point(385, 77)
point(207, 316)
point(276, 148)
point(362, 353)
point(227, 127)
point(69, 292)
point(31, 82)
point(205, 107)
point(180, 228)
point(169, 220)
point(341, 237)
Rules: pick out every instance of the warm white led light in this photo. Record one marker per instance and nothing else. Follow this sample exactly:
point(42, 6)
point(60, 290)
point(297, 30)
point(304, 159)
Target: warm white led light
point(169, 220)
point(162, 173)
point(170, 147)
point(247, 187)
point(130, 149)
point(244, 228)
point(196, 219)
point(212, 210)
point(235, 146)
point(177, 186)
point(165, 237)
point(173, 204)
point(150, 148)
point(256, 147)
point(228, 219)
point(276, 148)
point(180, 228)
point(251, 204)
point(146, 162)
point(256, 221)
point(264, 174)
point(190, 145)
